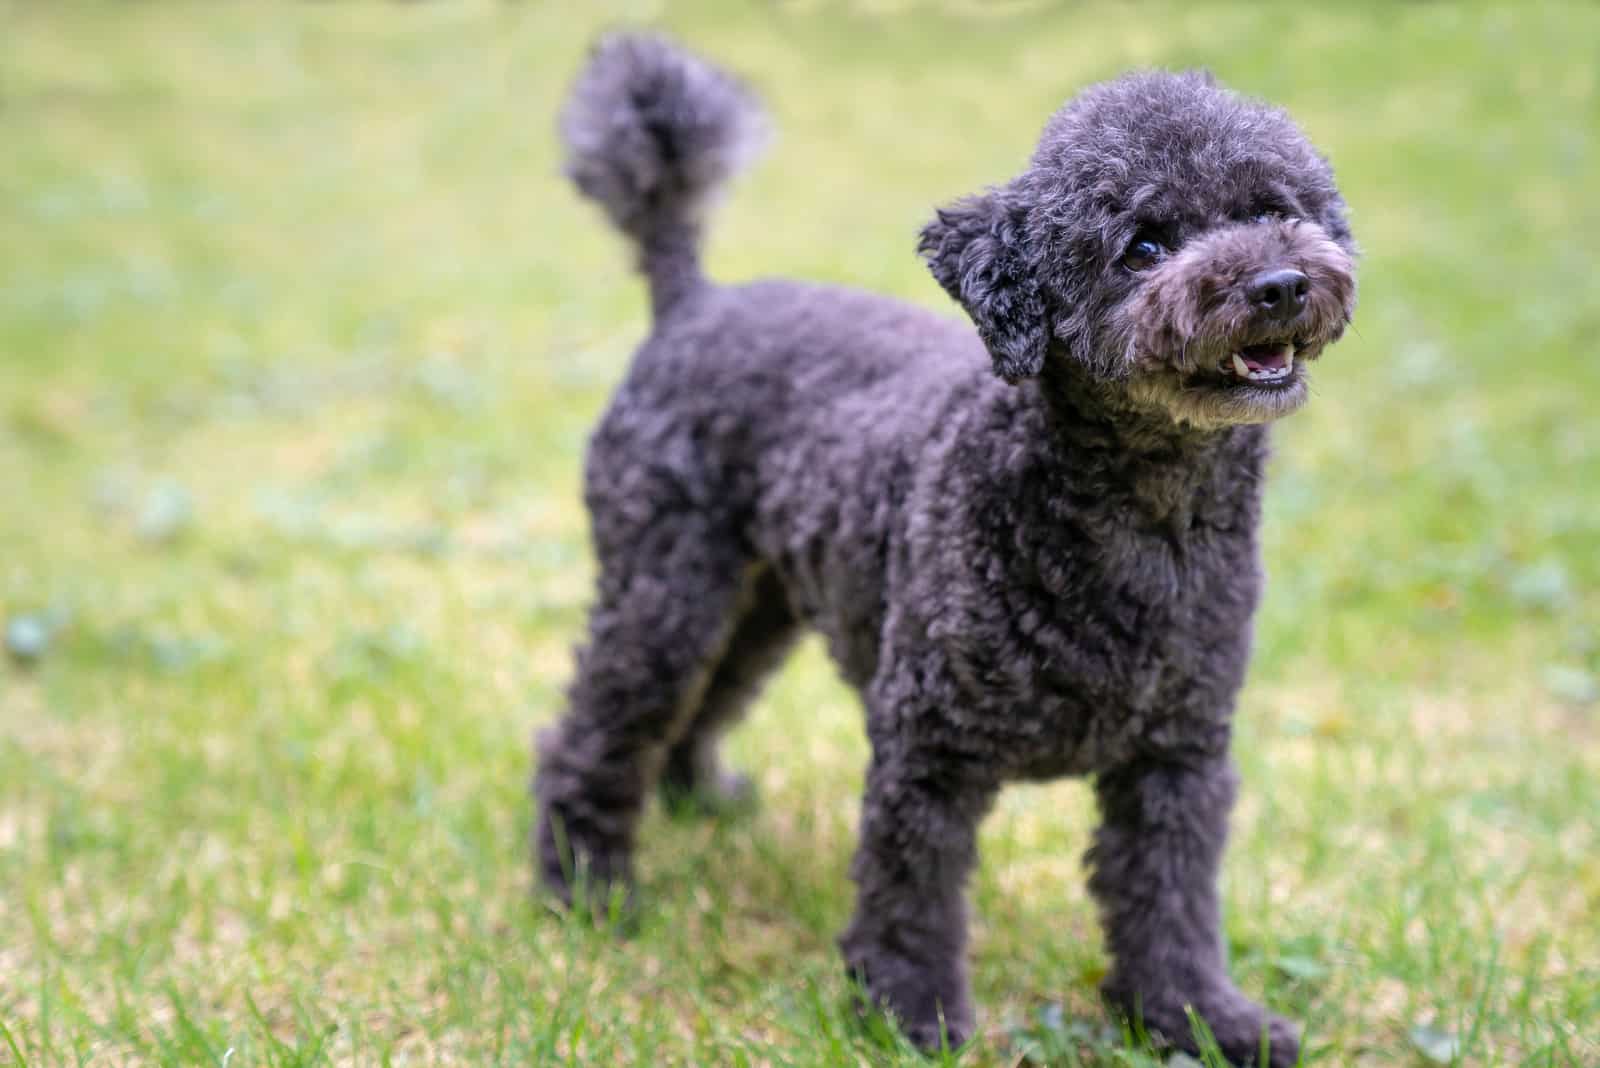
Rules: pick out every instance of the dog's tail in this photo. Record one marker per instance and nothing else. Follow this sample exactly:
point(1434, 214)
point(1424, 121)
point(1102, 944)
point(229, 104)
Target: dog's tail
point(651, 133)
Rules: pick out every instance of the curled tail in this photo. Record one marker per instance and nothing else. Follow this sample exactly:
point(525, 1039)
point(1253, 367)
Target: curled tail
point(651, 133)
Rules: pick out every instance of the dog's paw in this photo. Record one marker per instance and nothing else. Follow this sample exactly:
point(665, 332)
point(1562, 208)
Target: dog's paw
point(929, 1003)
point(605, 904)
point(581, 878)
point(929, 1034)
point(1248, 1035)
point(1259, 1037)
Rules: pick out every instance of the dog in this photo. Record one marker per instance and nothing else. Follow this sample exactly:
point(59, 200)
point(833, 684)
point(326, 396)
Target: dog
point(1031, 547)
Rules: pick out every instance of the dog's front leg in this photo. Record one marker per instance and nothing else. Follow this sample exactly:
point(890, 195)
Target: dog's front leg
point(907, 941)
point(1155, 862)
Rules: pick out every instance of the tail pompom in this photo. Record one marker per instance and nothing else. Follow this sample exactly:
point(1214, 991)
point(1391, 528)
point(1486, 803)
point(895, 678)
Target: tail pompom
point(651, 133)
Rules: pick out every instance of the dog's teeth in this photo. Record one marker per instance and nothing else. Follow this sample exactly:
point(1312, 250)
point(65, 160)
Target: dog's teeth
point(1288, 365)
point(1240, 368)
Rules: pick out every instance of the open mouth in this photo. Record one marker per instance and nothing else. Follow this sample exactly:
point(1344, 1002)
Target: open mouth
point(1235, 380)
point(1267, 363)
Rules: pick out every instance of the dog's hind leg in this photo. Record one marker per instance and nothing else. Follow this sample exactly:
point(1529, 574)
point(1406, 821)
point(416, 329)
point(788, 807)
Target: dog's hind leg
point(670, 592)
point(694, 777)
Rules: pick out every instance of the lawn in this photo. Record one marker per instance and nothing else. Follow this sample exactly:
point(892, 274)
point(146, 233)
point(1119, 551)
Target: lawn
point(301, 333)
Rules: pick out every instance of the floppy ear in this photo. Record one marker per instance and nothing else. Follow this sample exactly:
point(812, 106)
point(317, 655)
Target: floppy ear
point(975, 250)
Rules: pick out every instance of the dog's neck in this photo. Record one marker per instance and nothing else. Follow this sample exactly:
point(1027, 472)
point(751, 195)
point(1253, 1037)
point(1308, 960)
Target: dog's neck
point(1165, 468)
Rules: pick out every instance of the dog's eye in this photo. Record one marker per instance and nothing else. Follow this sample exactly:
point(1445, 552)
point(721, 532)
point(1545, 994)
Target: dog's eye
point(1143, 253)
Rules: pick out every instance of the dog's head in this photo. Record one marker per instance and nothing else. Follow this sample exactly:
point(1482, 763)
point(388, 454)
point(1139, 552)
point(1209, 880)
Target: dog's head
point(1185, 244)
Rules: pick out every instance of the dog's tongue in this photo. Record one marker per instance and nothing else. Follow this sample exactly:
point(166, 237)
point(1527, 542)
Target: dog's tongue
point(1268, 356)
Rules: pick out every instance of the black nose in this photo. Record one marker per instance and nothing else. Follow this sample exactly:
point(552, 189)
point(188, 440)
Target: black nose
point(1279, 294)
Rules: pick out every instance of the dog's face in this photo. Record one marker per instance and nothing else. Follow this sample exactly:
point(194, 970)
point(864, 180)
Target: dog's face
point(1184, 244)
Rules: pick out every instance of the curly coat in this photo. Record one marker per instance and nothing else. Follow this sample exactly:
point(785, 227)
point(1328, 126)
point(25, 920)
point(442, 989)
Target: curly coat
point(1031, 548)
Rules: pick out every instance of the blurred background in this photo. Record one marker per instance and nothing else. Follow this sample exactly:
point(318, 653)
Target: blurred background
point(301, 333)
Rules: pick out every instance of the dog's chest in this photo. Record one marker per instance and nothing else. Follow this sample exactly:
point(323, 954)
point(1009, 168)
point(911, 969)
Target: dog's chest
point(1098, 632)
point(1163, 648)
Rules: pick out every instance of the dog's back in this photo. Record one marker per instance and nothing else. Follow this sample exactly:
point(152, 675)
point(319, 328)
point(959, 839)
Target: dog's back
point(830, 393)
point(797, 414)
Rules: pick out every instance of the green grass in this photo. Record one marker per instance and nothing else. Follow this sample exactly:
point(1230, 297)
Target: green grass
point(300, 335)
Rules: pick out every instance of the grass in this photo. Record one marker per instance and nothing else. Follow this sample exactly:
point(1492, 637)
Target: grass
point(300, 335)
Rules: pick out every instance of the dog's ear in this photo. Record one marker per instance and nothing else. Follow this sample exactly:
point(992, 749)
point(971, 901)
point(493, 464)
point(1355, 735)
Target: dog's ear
point(975, 248)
